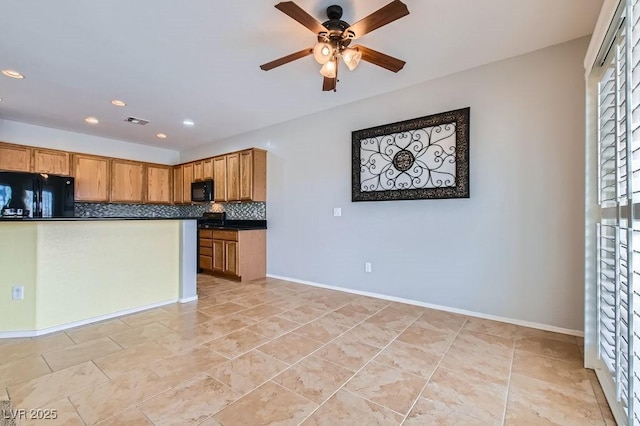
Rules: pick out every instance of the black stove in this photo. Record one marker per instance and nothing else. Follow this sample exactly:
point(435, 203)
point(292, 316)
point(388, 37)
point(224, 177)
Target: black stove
point(212, 220)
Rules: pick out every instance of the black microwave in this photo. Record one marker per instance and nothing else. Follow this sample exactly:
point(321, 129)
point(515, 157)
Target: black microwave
point(202, 191)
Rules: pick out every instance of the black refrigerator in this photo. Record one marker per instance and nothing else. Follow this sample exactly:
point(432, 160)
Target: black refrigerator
point(36, 195)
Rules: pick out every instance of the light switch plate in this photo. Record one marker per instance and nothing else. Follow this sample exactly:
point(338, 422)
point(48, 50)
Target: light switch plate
point(18, 292)
point(337, 211)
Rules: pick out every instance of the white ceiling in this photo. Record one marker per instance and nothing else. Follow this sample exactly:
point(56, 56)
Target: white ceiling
point(199, 59)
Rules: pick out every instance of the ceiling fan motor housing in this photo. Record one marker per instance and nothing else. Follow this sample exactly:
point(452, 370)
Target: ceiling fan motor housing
point(336, 27)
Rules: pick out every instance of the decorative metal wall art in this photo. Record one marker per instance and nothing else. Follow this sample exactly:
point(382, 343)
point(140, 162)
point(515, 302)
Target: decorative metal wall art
point(423, 158)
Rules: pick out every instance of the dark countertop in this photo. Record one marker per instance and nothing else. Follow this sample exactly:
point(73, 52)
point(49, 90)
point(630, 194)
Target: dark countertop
point(86, 219)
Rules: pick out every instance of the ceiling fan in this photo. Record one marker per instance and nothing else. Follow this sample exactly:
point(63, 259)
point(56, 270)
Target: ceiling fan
point(335, 37)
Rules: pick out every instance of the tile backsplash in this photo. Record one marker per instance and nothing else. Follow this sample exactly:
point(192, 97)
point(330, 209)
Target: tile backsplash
point(235, 211)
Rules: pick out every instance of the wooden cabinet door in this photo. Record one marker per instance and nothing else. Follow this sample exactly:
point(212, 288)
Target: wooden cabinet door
point(220, 178)
point(198, 171)
point(187, 178)
point(231, 257)
point(218, 256)
point(158, 184)
point(15, 158)
point(246, 175)
point(177, 185)
point(54, 162)
point(127, 181)
point(92, 177)
point(207, 169)
point(233, 177)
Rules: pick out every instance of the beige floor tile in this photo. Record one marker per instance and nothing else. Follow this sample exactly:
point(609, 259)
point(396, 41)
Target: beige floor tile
point(132, 358)
point(290, 347)
point(314, 378)
point(186, 321)
point(534, 332)
point(77, 354)
point(190, 403)
point(57, 413)
point(186, 339)
point(131, 417)
point(496, 328)
point(270, 404)
point(605, 409)
point(372, 334)
point(55, 386)
point(328, 303)
point(105, 400)
point(323, 330)
point(96, 331)
point(484, 343)
point(236, 343)
point(186, 365)
point(558, 349)
point(289, 303)
point(260, 312)
point(460, 393)
point(348, 353)
point(22, 370)
point(426, 338)
point(248, 371)
point(346, 316)
point(222, 310)
point(390, 387)
point(393, 318)
point(225, 325)
point(367, 305)
point(258, 298)
point(138, 335)
point(273, 327)
point(441, 320)
point(427, 412)
point(562, 373)
point(410, 358)
point(4, 395)
point(302, 315)
point(347, 409)
point(24, 348)
point(146, 317)
point(183, 308)
point(533, 401)
point(480, 364)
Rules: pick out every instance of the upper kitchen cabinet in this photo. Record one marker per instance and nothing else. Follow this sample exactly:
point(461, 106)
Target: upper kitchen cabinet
point(127, 181)
point(233, 177)
point(53, 162)
point(253, 175)
point(178, 196)
point(187, 179)
point(158, 184)
point(207, 169)
point(15, 158)
point(220, 178)
point(197, 170)
point(92, 177)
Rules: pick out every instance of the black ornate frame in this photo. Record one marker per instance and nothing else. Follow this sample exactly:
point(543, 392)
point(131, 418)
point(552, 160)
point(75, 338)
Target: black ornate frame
point(406, 159)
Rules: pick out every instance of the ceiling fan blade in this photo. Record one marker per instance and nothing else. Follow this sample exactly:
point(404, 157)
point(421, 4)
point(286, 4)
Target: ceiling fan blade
point(329, 84)
point(389, 13)
point(380, 59)
point(286, 59)
point(296, 12)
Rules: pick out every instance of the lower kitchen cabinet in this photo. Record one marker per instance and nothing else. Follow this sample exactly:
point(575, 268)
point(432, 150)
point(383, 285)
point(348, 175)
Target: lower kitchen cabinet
point(240, 255)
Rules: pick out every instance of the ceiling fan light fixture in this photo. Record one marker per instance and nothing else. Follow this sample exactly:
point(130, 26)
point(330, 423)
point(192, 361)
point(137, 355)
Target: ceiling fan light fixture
point(322, 52)
point(351, 58)
point(329, 69)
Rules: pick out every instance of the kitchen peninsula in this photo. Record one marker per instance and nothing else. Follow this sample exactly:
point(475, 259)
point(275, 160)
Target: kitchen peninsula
point(80, 270)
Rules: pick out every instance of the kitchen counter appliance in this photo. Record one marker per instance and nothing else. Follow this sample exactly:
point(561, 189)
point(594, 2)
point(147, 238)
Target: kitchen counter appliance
point(36, 195)
point(202, 191)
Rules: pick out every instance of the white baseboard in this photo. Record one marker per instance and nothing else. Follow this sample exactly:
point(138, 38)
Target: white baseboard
point(523, 323)
point(49, 330)
point(188, 299)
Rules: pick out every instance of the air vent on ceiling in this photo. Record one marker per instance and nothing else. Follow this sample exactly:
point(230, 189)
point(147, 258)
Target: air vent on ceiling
point(140, 121)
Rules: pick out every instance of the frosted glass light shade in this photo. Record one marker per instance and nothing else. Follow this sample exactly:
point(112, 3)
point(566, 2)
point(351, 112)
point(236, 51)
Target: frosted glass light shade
point(322, 53)
point(351, 57)
point(329, 69)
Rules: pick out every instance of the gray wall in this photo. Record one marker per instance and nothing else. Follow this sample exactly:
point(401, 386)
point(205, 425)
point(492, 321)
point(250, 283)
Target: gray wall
point(514, 249)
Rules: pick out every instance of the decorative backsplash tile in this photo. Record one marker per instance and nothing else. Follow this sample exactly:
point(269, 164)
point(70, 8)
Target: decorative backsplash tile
point(235, 211)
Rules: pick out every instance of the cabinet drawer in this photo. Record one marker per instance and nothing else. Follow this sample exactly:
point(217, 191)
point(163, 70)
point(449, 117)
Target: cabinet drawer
point(205, 242)
point(225, 235)
point(205, 233)
point(206, 251)
point(206, 262)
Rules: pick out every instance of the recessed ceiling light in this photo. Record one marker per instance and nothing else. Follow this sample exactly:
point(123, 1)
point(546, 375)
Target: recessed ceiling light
point(118, 103)
point(12, 74)
point(91, 120)
point(188, 122)
point(161, 136)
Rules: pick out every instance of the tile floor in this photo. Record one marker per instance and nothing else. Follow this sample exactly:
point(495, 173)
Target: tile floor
point(274, 352)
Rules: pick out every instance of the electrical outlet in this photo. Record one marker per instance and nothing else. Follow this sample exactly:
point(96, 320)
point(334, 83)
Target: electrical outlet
point(367, 266)
point(18, 292)
point(337, 211)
